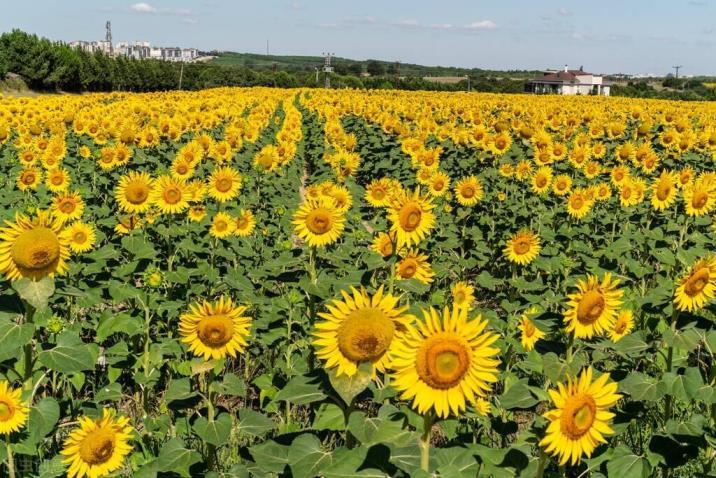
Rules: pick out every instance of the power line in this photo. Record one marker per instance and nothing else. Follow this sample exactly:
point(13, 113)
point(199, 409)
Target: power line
point(677, 68)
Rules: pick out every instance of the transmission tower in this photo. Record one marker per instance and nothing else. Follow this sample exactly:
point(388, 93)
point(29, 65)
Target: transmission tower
point(327, 68)
point(108, 36)
point(677, 68)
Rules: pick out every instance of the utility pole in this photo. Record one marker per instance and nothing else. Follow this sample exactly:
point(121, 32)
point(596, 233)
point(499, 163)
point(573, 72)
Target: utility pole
point(397, 72)
point(677, 68)
point(469, 87)
point(327, 68)
point(181, 73)
point(267, 47)
point(108, 36)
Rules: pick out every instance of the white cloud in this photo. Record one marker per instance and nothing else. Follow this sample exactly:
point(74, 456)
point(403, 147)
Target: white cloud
point(482, 25)
point(190, 20)
point(142, 7)
point(296, 6)
point(441, 26)
point(410, 22)
point(564, 12)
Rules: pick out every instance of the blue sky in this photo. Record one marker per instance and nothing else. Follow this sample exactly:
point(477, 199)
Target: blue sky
point(609, 36)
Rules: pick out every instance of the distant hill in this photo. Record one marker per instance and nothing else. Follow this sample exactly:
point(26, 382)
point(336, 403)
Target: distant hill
point(294, 64)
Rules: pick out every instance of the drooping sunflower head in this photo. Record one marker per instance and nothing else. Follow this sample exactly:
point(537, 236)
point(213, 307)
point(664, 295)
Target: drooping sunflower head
point(462, 295)
point(318, 222)
point(414, 265)
point(97, 447)
point(224, 183)
point(445, 361)
point(468, 191)
point(80, 236)
point(359, 329)
point(133, 192)
point(13, 410)
point(523, 247)
point(592, 309)
point(216, 329)
point(384, 244)
point(622, 325)
point(33, 248)
point(529, 333)
point(412, 217)
point(580, 417)
point(697, 287)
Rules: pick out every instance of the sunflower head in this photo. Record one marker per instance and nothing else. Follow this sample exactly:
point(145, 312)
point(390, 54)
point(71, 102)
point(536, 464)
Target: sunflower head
point(359, 329)
point(445, 362)
point(412, 217)
point(13, 410)
point(592, 309)
point(697, 287)
point(33, 248)
point(215, 329)
point(318, 221)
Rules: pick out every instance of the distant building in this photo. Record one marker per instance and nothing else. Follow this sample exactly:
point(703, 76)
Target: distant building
point(139, 50)
point(569, 82)
point(92, 46)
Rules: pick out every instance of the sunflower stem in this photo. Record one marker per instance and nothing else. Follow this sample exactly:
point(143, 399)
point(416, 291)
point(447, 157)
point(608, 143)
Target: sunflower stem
point(10, 458)
point(27, 349)
point(570, 348)
point(669, 364)
point(312, 264)
point(210, 449)
point(425, 442)
point(542, 463)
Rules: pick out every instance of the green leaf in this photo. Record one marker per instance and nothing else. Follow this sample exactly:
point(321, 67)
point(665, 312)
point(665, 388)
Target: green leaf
point(349, 387)
point(179, 389)
point(457, 462)
point(13, 336)
point(253, 423)
point(214, 432)
point(642, 387)
point(231, 385)
point(174, 457)
point(301, 390)
point(35, 293)
point(518, 396)
point(43, 417)
point(118, 323)
point(70, 355)
point(329, 416)
point(306, 457)
point(345, 463)
point(625, 464)
point(270, 457)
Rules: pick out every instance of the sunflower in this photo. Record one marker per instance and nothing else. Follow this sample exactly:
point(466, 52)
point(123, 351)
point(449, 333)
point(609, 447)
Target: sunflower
point(578, 204)
point(384, 244)
point(664, 190)
point(699, 198)
point(411, 216)
point(378, 193)
point(414, 265)
point(444, 362)
point(215, 329)
point(523, 247)
point(67, 206)
point(438, 184)
point(29, 178)
point(33, 248)
point(222, 225)
point(529, 333)
point(561, 185)
point(169, 195)
point(96, 448)
point(196, 213)
point(542, 180)
point(622, 326)
point(224, 183)
point(602, 191)
point(581, 417)
point(341, 197)
point(318, 222)
point(57, 180)
point(245, 223)
point(126, 224)
point(462, 295)
point(593, 308)
point(468, 191)
point(697, 287)
point(80, 236)
point(359, 329)
point(13, 412)
point(182, 169)
point(133, 192)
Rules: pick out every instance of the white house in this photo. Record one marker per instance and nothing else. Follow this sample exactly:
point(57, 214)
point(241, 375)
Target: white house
point(569, 82)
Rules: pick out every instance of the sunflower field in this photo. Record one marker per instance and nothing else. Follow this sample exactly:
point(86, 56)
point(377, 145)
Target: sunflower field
point(336, 283)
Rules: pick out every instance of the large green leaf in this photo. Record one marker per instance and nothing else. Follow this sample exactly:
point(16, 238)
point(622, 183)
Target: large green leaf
point(35, 293)
point(174, 457)
point(215, 432)
point(301, 390)
point(68, 356)
point(306, 457)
